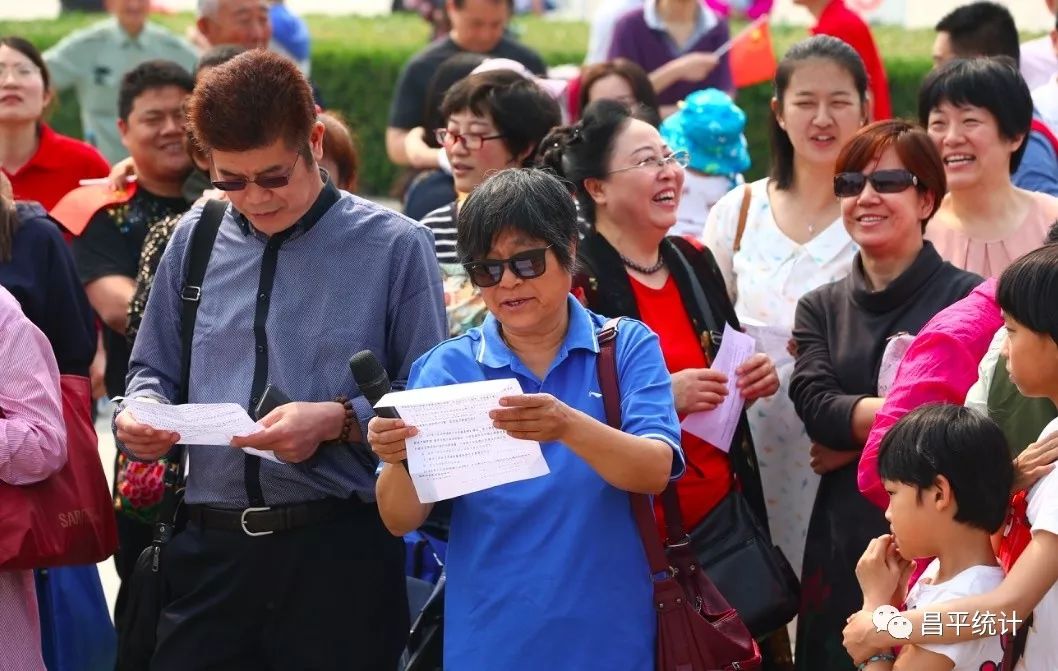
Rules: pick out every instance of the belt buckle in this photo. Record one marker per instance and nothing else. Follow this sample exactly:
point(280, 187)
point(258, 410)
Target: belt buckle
point(242, 521)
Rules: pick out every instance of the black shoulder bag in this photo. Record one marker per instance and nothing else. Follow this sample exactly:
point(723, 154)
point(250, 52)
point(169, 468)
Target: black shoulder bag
point(731, 544)
point(138, 624)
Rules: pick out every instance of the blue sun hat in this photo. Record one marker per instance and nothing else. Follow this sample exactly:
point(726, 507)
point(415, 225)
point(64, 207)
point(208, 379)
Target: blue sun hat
point(709, 125)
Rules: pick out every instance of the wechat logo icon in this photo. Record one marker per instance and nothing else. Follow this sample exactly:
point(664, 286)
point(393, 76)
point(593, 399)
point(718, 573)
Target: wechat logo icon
point(888, 618)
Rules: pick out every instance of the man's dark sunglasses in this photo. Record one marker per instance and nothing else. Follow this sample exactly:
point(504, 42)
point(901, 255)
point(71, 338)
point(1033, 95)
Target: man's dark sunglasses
point(849, 184)
point(525, 265)
point(269, 182)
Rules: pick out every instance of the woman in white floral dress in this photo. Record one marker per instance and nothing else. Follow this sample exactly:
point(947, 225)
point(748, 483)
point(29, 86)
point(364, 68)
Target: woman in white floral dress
point(793, 241)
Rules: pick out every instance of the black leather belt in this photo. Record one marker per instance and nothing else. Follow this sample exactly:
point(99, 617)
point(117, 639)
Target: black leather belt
point(270, 519)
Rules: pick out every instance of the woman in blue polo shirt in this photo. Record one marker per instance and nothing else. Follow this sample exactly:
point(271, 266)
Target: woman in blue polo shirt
point(547, 573)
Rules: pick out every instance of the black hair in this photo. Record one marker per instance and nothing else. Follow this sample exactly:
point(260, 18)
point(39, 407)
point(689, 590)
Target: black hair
point(967, 448)
point(451, 70)
point(521, 110)
point(525, 200)
point(994, 84)
point(582, 151)
point(149, 75)
point(218, 55)
point(822, 47)
point(1028, 290)
point(1052, 233)
point(981, 29)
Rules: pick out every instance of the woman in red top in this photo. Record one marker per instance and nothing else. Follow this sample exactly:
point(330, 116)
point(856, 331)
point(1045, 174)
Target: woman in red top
point(41, 164)
point(628, 185)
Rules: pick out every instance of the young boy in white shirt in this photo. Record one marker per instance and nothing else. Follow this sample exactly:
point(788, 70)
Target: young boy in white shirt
point(1028, 296)
point(948, 474)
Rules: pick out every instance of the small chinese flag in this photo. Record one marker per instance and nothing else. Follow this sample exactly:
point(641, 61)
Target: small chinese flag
point(752, 56)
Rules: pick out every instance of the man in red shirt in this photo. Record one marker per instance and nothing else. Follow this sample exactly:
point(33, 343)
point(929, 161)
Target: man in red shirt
point(834, 18)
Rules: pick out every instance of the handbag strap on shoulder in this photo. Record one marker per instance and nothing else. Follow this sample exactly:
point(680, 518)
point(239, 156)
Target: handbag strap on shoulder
point(201, 248)
point(743, 214)
point(642, 508)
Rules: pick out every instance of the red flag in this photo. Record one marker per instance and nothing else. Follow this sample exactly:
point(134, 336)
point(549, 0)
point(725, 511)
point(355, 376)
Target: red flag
point(752, 56)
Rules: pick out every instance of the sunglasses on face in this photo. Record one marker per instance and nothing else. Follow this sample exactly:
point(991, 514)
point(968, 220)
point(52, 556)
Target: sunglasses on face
point(269, 182)
point(525, 265)
point(849, 184)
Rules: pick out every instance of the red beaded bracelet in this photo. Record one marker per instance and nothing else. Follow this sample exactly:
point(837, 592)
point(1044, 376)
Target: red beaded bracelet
point(350, 417)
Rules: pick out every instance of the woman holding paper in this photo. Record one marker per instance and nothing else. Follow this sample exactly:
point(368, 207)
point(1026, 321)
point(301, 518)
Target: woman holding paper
point(890, 181)
point(628, 184)
point(547, 572)
point(791, 242)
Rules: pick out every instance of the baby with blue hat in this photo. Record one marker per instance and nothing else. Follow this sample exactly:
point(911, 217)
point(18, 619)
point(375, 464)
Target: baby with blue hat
point(708, 125)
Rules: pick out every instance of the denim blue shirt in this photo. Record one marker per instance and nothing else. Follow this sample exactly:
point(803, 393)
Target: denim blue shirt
point(550, 573)
point(350, 275)
point(1038, 170)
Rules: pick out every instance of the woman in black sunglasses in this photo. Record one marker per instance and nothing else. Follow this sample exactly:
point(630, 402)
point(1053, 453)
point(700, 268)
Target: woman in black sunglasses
point(546, 573)
point(628, 184)
point(890, 182)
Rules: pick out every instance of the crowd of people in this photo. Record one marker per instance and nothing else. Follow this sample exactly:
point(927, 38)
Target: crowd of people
point(899, 276)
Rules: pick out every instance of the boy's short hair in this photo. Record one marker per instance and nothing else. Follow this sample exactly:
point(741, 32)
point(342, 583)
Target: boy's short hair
point(981, 29)
point(965, 447)
point(1028, 290)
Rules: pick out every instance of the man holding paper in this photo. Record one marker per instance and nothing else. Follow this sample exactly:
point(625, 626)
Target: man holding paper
point(282, 565)
point(546, 572)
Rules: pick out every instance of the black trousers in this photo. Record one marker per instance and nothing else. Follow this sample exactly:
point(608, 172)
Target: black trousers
point(326, 596)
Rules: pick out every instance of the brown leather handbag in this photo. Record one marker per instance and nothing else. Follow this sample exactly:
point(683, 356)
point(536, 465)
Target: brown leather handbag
point(698, 630)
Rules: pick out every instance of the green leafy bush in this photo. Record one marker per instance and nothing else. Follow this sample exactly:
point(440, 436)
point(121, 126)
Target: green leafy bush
point(355, 62)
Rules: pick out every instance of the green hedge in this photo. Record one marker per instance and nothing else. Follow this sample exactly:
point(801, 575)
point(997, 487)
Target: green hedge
point(355, 62)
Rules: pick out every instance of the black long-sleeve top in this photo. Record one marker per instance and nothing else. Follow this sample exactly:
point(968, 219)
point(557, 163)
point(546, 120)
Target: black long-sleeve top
point(42, 278)
point(841, 330)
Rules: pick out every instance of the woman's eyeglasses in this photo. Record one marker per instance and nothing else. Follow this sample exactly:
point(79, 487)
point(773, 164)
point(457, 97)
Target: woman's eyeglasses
point(680, 158)
point(268, 182)
point(470, 141)
point(849, 184)
point(525, 265)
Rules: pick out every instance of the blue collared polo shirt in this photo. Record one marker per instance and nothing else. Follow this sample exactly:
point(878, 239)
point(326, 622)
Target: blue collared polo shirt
point(550, 573)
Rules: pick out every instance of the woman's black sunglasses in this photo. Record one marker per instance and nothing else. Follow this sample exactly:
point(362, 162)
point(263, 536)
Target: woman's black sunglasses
point(525, 265)
point(849, 184)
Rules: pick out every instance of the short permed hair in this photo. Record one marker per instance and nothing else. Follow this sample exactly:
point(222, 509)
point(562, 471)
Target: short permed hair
point(525, 200)
point(1028, 290)
point(994, 84)
point(147, 76)
point(912, 146)
point(981, 29)
point(521, 109)
point(251, 101)
point(967, 448)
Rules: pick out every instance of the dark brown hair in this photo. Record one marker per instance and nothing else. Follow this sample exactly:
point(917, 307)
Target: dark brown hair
point(250, 102)
point(340, 145)
point(630, 71)
point(912, 146)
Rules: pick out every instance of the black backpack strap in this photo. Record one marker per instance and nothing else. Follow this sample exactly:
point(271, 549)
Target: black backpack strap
point(202, 239)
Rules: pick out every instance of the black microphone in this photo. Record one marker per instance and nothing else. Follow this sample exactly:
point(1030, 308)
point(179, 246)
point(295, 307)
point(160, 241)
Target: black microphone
point(373, 381)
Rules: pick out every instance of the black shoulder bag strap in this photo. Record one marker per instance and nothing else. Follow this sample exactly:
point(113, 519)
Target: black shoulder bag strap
point(712, 324)
point(202, 239)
